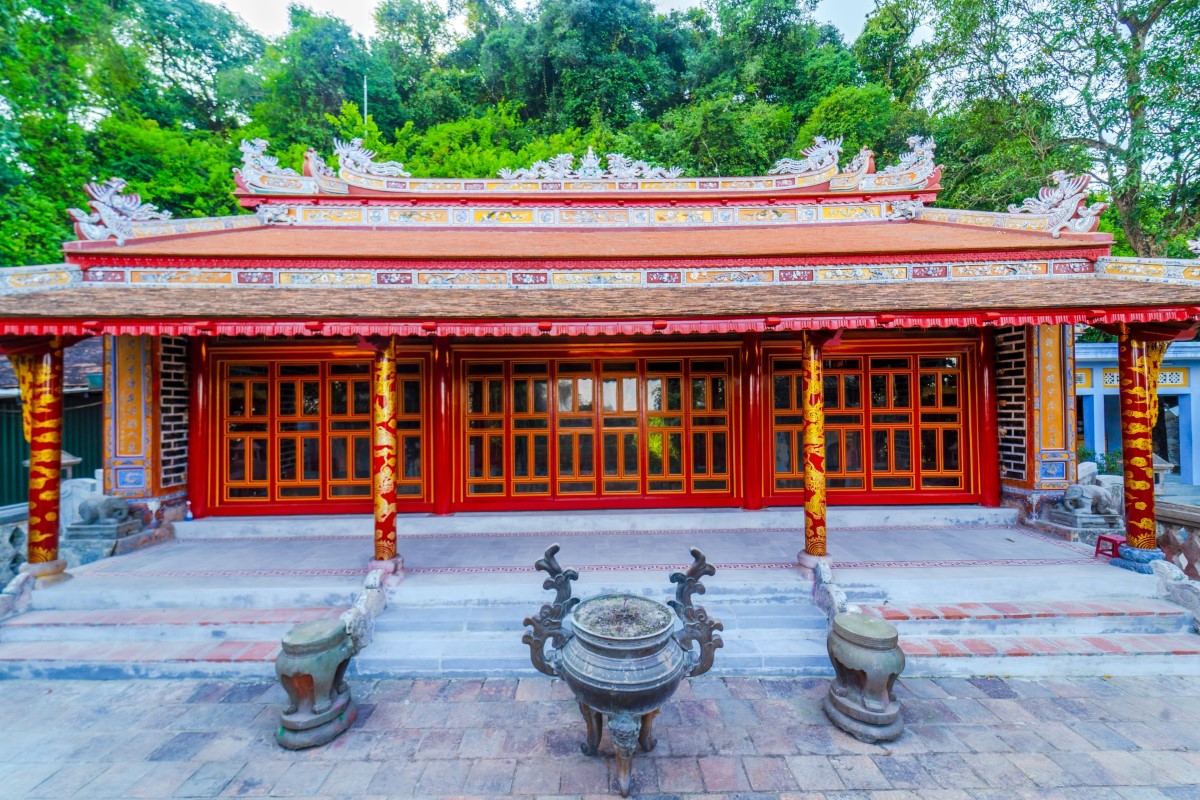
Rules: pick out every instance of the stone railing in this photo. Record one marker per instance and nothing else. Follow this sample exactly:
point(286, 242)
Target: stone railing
point(14, 528)
point(1179, 535)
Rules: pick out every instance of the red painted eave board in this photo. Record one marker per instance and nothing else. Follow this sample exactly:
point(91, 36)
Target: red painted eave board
point(593, 327)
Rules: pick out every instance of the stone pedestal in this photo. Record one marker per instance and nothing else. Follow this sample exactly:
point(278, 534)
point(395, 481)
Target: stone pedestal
point(1078, 526)
point(312, 670)
point(867, 660)
point(46, 573)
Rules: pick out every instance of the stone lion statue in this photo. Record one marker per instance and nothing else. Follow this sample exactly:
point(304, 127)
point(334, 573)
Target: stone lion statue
point(104, 509)
point(1089, 499)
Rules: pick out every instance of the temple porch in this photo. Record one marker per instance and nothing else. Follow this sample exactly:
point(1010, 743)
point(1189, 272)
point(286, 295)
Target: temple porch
point(216, 600)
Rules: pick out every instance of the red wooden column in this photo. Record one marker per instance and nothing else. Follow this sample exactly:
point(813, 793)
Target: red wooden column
point(1138, 361)
point(814, 447)
point(989, 424)
point(39, 369)
point(384, 446)
point(752, 427)
point(443, 464)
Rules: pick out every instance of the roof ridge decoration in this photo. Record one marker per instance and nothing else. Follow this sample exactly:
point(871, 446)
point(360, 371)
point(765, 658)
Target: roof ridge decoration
point(261, 173)
point(254, 153)
point(818, 156)
point(113, 212)
point(1194, 246)
point(1064, 205)
point(325, 176)
point(353, 157)
point(358, 173)
point(562, 168)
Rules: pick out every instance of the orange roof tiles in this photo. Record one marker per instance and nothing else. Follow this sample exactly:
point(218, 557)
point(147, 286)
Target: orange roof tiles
point(848, 240)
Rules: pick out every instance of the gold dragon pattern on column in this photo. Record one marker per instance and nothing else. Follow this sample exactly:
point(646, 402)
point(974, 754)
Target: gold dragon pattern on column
point(40, 377)
point(1139, 362)
point(383, 454)
point(813, 409)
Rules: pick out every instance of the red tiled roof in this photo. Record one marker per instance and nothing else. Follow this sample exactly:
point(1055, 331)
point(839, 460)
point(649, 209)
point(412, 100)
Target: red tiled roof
point(830, 242)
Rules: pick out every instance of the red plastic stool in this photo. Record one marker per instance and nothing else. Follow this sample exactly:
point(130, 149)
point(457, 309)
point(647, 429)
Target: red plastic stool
point(1112, 540)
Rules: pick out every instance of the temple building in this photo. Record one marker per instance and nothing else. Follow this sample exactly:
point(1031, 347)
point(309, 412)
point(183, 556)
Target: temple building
point(589, 333)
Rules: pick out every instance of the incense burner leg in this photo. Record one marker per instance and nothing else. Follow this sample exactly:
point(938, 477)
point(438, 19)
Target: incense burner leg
point(595, 724)
point(646, 739)
point(624, 728)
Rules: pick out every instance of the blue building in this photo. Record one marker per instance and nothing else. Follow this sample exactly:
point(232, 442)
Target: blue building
point(1097, 409)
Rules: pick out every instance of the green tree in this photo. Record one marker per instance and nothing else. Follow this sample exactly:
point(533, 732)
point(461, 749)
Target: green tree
point(864, 116)
point(309, 72)
point(885, 51)
point(1122, 78)
point(202, 56)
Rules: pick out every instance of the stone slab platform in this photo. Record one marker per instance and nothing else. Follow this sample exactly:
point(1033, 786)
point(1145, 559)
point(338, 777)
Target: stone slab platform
point(764, 739)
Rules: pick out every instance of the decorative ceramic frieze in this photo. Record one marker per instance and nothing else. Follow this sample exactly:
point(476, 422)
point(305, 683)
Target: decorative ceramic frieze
point(647, 275)
point(562, 168)
point(1064, 205)
point(379, 215)
point(114, 214)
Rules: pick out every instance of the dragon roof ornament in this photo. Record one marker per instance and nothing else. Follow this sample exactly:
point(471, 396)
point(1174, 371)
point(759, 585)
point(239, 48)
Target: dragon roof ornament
point(918, 158)
point(352, 156)
point(1194, 246)
point(820, 155)
point(562, 167)
point(1064, 205)
point(254, 156)
point(113, 212)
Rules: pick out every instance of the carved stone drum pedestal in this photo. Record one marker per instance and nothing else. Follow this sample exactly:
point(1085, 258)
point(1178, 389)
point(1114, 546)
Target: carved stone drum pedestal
point(867, 660)
point(312, 670)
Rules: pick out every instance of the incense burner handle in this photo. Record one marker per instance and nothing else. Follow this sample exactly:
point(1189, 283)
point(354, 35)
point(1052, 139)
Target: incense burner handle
point(547, 625)
point(697, 627)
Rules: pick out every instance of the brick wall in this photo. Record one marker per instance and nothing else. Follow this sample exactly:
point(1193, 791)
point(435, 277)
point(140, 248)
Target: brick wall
point(173, 410)
point(1011, 370)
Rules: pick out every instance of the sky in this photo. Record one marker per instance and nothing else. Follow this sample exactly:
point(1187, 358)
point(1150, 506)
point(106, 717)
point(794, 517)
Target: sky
point(270, 16)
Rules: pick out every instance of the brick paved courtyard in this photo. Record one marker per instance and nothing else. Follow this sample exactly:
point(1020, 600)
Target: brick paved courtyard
point(1091, 739)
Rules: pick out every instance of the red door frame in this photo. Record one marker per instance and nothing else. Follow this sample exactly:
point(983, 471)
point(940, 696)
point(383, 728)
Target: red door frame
point(204, 437)
point(590, 350)
point(974, 477)
point(752, 484)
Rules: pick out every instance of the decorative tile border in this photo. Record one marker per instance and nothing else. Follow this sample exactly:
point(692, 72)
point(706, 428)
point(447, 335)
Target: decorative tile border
point(527, 278)
point(345, 274)
point(514, 214)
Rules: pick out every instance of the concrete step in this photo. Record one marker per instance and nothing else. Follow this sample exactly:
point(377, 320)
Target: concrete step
point(771, 626)
point(1035, 618)
point(1040, 656)
point(941, 585)
point(843, 517)
point(401, 620)
point(180, 594)
point(503, 654)
point(1131, 636)
point(116, 660)
point(151, 625)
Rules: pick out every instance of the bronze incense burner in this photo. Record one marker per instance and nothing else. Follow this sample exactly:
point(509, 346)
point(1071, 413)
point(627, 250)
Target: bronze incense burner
point(621, 654)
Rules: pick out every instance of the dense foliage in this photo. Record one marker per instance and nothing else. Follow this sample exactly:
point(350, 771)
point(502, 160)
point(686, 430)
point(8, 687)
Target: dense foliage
point(161, 91)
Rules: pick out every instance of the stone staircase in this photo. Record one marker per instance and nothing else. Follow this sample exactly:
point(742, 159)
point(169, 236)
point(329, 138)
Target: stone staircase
point(147, 642)
point(435, 628)
point(1129, 636)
